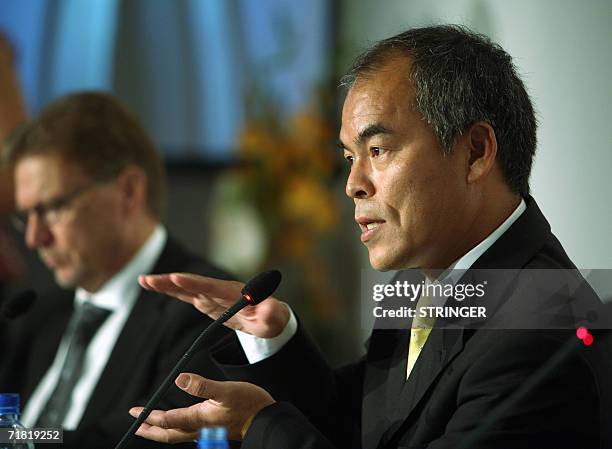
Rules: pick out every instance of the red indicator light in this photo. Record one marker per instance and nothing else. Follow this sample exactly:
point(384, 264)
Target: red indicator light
point(588, 340)
point(582, 332)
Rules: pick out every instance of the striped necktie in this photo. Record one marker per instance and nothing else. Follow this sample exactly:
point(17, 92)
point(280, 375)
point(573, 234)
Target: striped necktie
point(84, 323)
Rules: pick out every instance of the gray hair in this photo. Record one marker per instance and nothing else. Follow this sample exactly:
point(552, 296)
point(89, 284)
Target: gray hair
point(460, 78)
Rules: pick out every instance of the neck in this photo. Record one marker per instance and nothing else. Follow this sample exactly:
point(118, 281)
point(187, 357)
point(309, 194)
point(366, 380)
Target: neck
point(481, 222)
point(141, 233)
point(126, 248)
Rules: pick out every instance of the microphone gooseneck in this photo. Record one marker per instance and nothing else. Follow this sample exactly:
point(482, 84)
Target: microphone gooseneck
point(255, 291)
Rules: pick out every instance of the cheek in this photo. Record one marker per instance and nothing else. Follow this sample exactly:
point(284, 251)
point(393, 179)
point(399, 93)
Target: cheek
point(425, 201)
point(79, 238)
point(75, 244)
point(395, 187)
point(64, 236)
point(410, 193)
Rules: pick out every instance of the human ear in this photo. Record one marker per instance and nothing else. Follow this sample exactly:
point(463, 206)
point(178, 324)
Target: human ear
point(481, 144)
point(132, 183)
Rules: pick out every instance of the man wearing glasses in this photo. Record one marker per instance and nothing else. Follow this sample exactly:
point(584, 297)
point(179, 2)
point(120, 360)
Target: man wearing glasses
point(90, 194)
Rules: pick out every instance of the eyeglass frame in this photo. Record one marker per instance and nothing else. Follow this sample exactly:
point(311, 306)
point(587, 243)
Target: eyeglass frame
point(20, 219)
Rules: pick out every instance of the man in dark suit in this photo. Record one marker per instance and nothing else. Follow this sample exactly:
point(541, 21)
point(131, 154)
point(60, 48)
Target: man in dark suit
point(90, 194)
point(440, 134)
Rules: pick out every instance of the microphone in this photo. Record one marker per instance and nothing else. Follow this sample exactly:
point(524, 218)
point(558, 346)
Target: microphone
point(254, 292)
point(18, 304)
point(570, 347)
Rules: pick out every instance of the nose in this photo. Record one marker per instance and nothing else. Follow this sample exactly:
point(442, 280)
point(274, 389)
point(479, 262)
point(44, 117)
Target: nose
point(359, 183)
point(37, 232)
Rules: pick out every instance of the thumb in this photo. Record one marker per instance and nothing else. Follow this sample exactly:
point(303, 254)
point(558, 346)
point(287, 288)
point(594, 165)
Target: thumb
point(201, 387)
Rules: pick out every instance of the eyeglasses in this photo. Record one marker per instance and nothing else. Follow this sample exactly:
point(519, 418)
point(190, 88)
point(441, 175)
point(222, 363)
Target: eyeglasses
point(52, 211)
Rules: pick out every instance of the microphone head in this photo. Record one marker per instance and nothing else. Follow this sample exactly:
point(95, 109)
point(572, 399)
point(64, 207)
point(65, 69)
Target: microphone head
point(18, 304)
point(261, 286)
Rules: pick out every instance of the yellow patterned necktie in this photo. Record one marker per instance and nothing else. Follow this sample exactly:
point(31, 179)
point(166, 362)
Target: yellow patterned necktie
point(420, 330)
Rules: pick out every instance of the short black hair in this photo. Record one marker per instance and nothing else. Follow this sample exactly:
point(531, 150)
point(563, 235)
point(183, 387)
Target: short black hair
point(460, 78)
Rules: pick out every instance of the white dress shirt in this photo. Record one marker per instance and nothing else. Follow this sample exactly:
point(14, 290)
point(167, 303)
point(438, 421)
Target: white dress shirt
point(118, 294)
point(257, 349)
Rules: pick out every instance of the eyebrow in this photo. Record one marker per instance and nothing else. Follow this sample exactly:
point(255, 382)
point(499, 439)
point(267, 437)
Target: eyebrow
point(367, 133)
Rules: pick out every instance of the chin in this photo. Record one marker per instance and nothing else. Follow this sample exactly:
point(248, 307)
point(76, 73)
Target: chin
point(389, 260)
point(380, 263)
point(64, 281)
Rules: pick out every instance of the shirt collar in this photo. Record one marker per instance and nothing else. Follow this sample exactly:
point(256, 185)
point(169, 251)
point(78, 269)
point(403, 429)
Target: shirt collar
point(453, 273)
point(124, 284)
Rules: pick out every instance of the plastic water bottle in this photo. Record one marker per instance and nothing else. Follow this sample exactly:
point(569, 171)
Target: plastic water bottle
point(9, 419)
point(213, 438)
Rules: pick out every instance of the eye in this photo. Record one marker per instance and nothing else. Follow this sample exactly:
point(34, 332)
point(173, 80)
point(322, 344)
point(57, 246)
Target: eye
point(349, 158)
point(54, 206)
point(377, 151)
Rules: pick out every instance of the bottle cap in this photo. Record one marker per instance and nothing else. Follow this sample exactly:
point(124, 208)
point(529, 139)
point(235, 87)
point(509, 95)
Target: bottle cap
point(213, 438)
point(9, 403)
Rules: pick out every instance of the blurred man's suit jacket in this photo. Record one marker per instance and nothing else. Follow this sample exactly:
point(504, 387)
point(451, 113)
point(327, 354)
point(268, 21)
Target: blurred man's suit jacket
point(157, 332)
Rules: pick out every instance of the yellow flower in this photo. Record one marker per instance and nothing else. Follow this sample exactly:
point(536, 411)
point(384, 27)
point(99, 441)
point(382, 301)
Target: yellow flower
point(309, 202)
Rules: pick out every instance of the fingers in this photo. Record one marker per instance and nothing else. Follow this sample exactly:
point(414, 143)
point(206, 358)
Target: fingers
point(227, 290)
point(213, 296)
point(171, 436)
point(188, 419)
point(208, 295)
point(202, 388)
point(187, 283)
point(232, 405)
point(155, 418)
point(157, 428)
point(159, 282)
point(192, 285)
point(162, 283)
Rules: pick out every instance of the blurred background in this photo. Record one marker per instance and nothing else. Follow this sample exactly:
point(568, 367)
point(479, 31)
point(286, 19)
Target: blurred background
point(241, 98)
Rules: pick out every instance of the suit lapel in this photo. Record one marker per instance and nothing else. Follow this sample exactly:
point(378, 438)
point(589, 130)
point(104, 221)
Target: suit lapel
point(442, 346)
point(385, 372)
point(44, 345)
point(137, 337)
point(390, 399)
point(383, 360)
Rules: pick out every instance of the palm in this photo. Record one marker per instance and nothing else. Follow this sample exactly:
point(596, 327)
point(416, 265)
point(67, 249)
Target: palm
point(232, 405)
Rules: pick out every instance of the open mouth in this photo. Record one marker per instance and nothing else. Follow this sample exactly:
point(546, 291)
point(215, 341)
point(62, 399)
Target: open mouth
point(369, 227)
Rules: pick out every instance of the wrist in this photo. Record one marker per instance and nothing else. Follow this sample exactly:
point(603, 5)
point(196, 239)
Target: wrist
point(278, 320)
point(247, 424)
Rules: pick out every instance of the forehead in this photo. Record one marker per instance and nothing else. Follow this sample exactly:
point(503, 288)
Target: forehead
point(39, 177)
point(384, 97)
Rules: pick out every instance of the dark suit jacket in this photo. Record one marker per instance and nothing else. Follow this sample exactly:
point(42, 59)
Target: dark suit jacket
point(459, 379)
point(155, 335)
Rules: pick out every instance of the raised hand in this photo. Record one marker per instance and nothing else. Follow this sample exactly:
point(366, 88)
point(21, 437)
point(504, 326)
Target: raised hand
point(213, 296)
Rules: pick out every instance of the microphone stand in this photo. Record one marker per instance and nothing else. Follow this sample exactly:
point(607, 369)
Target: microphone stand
point(163, 388)
point(255, 291)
